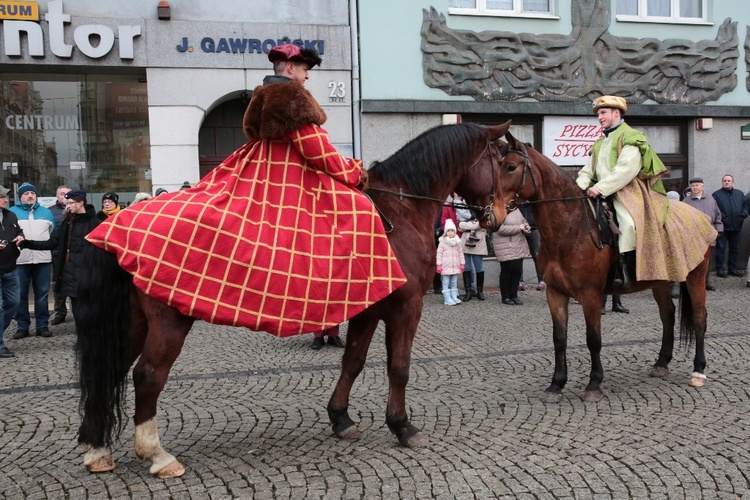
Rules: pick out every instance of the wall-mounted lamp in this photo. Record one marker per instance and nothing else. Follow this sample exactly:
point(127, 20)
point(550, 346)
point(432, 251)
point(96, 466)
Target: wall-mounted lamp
point(163, 11)
point(704, 123)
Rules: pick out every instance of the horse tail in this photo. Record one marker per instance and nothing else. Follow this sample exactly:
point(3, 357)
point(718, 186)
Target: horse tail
point(102, 317)
point(687, 327)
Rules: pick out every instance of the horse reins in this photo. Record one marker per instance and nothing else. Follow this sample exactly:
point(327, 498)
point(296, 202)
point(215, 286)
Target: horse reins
point(485, 211)
point(514, 204)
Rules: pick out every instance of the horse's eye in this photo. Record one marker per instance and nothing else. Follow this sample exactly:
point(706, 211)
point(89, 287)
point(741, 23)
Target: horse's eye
point(512, 167)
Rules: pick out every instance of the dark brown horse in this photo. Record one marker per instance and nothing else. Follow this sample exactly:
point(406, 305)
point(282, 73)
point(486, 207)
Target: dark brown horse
point(119, 324)
point(574, 266)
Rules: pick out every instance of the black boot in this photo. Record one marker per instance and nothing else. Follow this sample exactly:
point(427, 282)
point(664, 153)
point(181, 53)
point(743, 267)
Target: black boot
point(480, 285)
point(617, 305)
point(622, 280)
point(467, 286)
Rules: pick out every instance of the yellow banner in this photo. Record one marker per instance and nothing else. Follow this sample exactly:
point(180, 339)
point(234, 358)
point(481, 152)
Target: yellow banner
point(23, 11)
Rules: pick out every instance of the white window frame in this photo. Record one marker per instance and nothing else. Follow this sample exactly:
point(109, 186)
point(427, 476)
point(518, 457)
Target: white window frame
point(674, 18)
point(482, 10)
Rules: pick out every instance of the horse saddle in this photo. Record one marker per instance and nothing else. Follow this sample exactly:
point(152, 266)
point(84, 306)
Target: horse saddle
point(606, 221)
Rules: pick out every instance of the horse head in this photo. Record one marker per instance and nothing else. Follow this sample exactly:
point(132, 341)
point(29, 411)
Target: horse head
point(514, 179)
point(478, 184)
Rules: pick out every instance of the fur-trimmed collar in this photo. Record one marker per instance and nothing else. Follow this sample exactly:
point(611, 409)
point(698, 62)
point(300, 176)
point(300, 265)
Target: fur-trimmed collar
point(278, 109)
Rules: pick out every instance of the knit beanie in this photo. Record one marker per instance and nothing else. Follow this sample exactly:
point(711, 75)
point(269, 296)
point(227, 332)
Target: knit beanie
point(449, 225)
point(26, 187)
point(111, 196)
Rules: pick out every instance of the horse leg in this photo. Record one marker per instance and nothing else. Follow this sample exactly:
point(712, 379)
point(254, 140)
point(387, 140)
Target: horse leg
point(592, 313)
point(558, 307)
point(99, 459)
point(399, 338)
point(167, 329)
point(662, 296)
point(358, 338)
point(693, 319)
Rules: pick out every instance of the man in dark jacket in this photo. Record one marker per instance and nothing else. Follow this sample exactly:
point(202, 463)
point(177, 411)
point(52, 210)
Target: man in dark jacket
point(10, 235)
point(59, 213)
point(731, 202)
point(69, 242)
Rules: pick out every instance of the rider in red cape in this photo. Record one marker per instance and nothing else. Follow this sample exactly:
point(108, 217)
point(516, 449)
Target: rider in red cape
point(276, 238)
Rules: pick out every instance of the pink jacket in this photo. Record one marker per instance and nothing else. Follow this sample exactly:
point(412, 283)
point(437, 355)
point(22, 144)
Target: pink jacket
point(451, 257)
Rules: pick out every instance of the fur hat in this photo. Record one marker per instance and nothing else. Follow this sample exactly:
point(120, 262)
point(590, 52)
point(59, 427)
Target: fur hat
point(111, 196)
point(26, 187)
point(292, 52)
point(141, 196)
point(610, 101)
point(449, 225)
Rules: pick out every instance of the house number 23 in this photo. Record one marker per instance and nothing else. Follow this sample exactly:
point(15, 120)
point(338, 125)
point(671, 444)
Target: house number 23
point(337, 93)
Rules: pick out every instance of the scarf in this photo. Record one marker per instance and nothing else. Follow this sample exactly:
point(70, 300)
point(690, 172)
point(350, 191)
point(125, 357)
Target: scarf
point(109, 213)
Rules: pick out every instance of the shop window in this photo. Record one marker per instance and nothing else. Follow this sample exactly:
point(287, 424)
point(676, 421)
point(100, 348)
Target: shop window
point(85, 131)
point(679, 11)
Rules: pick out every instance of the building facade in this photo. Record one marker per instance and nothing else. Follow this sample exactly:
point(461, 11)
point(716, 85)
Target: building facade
point(152, 96)
point(682, 65)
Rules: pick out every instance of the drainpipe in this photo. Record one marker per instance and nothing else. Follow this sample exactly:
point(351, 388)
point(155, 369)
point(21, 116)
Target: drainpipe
point(356, 122)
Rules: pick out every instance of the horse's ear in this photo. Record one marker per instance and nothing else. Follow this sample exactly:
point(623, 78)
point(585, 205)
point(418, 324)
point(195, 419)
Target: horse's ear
point(498, 131)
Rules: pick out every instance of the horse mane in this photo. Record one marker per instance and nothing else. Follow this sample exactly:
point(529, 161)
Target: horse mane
point(430, 157)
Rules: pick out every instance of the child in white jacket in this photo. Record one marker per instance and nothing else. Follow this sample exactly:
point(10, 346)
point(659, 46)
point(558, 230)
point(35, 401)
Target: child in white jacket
point(450, 263)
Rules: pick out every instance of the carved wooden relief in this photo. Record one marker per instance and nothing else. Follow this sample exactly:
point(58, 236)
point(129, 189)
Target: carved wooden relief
point(587, 63)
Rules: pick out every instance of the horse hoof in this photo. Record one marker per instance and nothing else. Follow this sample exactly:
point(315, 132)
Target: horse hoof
point(352, 432)
point(175, 469)
point(659, 371)
point(593, 396)
point(418, 440)
point(104, 464)
point(552, 397)
point(697, 379)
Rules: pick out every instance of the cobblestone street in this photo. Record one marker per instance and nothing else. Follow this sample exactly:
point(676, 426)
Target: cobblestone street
point(246, 413)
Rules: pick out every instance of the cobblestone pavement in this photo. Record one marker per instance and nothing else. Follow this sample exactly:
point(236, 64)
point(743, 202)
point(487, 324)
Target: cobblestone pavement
point(245, 413)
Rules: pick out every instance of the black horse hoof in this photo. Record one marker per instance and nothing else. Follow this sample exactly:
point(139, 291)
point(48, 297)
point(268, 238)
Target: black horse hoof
point(659, 371)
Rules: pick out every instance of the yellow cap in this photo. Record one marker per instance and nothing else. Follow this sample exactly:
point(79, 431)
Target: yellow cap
point(610, 101)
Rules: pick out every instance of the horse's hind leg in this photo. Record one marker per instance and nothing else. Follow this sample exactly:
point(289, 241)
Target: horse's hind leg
point(358, 338)
point(663, 299)
point(167, 329)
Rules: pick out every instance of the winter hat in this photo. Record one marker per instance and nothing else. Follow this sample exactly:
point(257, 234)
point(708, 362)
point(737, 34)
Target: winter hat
point(111, 196)
point(292, 52)
point(449, 225)
point(26, 187)
point(77, 195)
point(673, 195)
point(160, 191)
point(140, 197)
point(4, 191)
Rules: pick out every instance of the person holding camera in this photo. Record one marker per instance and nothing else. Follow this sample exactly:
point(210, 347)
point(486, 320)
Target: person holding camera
point(10, 235)
point(511, 248)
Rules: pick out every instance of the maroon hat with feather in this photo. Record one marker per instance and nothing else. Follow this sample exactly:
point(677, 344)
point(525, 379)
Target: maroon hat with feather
point(292, 52)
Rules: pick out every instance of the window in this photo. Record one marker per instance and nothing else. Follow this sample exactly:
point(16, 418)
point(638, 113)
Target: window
point(502, 7)
point(683, 11)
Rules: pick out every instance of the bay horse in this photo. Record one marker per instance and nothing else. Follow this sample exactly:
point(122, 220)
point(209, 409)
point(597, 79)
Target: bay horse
point(118, 323)
point(574, 266)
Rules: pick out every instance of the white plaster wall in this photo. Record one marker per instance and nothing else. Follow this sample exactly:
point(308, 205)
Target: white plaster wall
point(720, 151)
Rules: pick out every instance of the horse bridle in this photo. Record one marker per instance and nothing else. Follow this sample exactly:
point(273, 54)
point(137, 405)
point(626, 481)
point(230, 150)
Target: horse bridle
point(486, 211)
point(513, 204)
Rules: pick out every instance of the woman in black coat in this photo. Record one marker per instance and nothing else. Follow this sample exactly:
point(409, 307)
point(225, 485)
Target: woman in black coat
point(69, 241)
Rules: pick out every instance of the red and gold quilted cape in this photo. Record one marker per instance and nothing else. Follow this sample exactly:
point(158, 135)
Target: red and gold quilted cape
point(276, 239)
